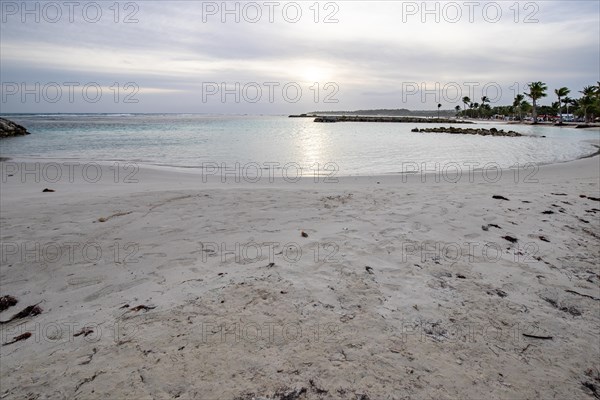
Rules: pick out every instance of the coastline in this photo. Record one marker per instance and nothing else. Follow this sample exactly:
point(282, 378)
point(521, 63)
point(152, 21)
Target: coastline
point(441, 311)
point(181, 154)
point(197, 170)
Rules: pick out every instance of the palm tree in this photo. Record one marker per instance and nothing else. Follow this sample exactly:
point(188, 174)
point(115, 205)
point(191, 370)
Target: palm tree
point(484, 99)
point(587, 102)
point(486, 111)
point(566, 101)
point(588, 91)
point(555, 106)
point(537, 90)
point(457, 108)
point(562, 92)
point(517, 104)
point(597, 99)
point(525, 106)
point(466, 100)
point(475, 105)
point(575, 104)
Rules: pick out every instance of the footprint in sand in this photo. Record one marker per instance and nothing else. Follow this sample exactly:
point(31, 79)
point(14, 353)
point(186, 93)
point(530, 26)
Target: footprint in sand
point(113, 289)
point(152, 255)
point(178, 262)
point(419, 227)
point(76, 283)
point(391, 232)
point(490, 218)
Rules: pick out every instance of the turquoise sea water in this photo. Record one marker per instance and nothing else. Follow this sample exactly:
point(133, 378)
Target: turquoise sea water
point(192, 140)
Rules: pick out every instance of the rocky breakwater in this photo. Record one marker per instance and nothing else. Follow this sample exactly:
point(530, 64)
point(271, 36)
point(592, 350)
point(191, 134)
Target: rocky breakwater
point(469, 131)
point(10, 129)
point(361, 118)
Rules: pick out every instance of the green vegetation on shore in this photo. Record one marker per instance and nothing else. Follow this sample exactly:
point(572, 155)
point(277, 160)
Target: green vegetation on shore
point(587, 107)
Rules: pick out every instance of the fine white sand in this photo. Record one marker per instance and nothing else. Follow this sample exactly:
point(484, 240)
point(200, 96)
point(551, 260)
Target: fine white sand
point(246, 307)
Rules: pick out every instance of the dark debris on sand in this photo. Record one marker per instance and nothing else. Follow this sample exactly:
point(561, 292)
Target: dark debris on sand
point(7, 302)
point(302, 393)
point(488, 226)
point(510, 239)
point(592, 381)
point(26, 312)
point(23, 336)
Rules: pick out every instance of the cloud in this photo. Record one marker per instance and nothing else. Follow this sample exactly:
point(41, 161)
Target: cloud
point(373, 49)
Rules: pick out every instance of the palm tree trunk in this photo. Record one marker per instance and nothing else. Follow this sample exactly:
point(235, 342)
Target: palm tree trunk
point(560, 120)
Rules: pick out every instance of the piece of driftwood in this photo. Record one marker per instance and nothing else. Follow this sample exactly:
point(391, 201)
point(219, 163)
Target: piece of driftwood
point(538, 337)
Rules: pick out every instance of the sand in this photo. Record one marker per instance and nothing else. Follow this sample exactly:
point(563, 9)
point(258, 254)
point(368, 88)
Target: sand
point(239, 304)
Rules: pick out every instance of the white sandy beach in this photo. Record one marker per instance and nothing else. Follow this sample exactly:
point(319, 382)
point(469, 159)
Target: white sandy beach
point(240, 305)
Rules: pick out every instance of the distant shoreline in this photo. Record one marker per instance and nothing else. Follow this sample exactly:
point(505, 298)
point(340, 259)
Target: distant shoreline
point(353, 117)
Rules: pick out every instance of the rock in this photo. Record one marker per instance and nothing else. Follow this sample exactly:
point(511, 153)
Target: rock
point(10, 129)
point(469, 131)
point(326, 119)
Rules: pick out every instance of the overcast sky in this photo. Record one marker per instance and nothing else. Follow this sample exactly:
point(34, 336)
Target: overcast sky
point(193, 56)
